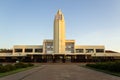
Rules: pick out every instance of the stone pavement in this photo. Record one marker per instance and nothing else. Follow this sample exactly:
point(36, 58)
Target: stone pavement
point(60, 72)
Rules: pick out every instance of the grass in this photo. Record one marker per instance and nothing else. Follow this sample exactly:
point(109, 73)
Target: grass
point(15, 71)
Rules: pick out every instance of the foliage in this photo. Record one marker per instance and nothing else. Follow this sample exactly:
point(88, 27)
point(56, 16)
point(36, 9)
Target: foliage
point(10, 67)
point(5, 50)
point(21, 65)
point(109, 66)
point(29, 64)
point(0, 64)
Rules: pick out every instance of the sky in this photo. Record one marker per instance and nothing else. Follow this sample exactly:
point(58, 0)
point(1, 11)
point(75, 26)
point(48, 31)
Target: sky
point(88, 22)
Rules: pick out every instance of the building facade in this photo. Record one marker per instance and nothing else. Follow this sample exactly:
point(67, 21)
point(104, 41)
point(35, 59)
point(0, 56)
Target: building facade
point(59, 49)
point(59, 45)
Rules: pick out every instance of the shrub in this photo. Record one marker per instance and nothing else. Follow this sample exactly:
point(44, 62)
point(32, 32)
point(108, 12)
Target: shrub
point(109, 66)
point(10, 67)
point(2, 69)
point(21, 65)
point(7, 68)
point(29, 64)
point(114, 67)
point(1, 64)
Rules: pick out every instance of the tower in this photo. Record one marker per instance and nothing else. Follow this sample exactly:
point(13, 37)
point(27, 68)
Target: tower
point(59, 33)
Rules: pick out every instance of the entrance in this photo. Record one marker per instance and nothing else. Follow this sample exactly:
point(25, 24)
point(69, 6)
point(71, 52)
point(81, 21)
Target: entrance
point(49, 58)
point(68, 59)
point(59, 58)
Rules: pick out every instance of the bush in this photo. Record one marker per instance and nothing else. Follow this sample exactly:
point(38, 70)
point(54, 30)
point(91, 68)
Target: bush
point(29, 64)
point(2, 69)
point(21, 65)
point(109, 66)
point(1, 64)
point(10, 67)
point(7, 68)
point(114, 67)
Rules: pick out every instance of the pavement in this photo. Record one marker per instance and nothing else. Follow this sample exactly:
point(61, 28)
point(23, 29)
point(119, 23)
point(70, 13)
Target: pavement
point(60, 72)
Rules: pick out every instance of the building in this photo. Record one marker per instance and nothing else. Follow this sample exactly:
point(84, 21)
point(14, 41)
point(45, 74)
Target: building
point(59, 49)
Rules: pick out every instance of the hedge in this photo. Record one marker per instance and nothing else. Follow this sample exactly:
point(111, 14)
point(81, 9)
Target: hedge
point(109, 66)
point(10, 67)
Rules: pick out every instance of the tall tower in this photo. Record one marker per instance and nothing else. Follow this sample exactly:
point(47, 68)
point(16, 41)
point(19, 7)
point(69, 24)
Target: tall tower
point(59, 33)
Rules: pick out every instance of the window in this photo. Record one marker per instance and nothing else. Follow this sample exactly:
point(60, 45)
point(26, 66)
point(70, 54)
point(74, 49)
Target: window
point(69, 46)
point(99, 50)
point(48, 46)
point(18, 50)
point(28, 50)
point(79, 51)
point(68, 51)
point(38, 50)
point(49, 52)
point(89, 51)
point(51, 46)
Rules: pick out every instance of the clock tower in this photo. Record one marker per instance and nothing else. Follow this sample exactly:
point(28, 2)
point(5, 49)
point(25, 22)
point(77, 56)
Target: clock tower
point(59, 33)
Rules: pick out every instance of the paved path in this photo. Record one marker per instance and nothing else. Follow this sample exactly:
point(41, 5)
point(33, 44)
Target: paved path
point(60, 72)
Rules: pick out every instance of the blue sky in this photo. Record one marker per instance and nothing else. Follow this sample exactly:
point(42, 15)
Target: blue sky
point(89, 22)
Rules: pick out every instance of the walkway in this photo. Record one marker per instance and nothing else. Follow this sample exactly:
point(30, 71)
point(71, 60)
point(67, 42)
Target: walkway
point(60, 72)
